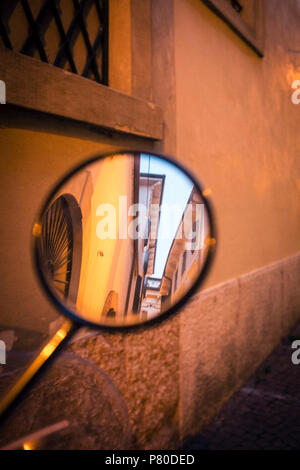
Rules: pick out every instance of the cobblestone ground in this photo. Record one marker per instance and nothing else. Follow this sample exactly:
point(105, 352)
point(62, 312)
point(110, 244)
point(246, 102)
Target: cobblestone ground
point(265, 413)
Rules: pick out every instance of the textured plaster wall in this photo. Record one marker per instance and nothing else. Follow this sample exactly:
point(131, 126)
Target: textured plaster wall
point(237, 128)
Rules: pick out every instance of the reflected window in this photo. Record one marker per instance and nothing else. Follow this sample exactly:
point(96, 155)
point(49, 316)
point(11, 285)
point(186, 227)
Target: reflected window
point(183, 267)
point(137, 295)
point(60, 245)
point(175, 281)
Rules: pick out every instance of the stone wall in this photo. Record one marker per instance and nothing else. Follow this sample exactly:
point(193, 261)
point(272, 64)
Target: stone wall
point(227, 330)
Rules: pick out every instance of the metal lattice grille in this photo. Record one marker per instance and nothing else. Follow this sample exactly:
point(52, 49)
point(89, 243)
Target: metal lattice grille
point(71, 34)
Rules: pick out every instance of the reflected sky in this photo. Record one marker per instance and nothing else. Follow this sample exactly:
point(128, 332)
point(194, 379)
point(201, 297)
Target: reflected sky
point(177, 189)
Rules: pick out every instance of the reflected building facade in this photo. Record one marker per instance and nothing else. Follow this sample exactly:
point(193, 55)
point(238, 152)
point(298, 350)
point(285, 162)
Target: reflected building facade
point(108, 245)
point(187, 253)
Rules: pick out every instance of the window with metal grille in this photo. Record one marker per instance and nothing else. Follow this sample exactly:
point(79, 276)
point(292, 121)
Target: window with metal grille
point(71, 34)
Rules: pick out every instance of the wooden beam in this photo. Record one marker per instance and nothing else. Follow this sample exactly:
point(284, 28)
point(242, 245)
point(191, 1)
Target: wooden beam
point(33, 84)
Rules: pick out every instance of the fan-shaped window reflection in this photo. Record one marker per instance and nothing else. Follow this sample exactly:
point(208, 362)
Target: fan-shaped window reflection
point(60, 245)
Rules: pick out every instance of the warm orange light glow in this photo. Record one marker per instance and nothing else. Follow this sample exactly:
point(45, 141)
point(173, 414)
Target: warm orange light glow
point(292, 74)
point(28, 446)
point(210, 241)
point(36, 231)
point(207, 192)
point(61, 334)
point(48, 350)
point(54, 342)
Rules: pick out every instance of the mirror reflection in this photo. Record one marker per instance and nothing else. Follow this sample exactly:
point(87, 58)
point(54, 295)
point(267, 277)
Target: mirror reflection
point(123, 239)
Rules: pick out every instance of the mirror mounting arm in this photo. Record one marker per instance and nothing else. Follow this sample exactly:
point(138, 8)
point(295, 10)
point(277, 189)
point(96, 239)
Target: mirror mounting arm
point(48, 349)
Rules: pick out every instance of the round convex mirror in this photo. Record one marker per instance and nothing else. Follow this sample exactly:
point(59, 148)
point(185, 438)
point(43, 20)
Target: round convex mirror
point(123, 239)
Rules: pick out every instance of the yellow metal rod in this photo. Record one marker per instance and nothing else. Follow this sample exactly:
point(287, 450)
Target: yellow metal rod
point(36, 364)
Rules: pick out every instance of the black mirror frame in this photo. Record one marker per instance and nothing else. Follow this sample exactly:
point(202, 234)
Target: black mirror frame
point(159, 318)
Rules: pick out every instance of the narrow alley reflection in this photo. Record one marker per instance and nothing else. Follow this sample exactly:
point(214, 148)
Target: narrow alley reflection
point(117, 245)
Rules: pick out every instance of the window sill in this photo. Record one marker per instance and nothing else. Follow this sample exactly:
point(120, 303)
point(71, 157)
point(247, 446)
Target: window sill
point(36, 85)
